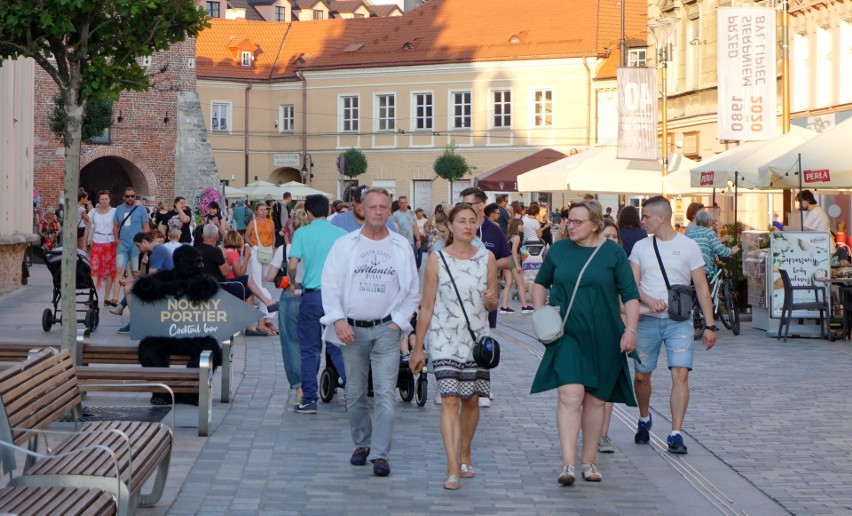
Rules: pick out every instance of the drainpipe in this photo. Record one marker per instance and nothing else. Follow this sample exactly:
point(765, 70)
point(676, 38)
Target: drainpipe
point(588, 102)
point(301, 77)
point(246, 134)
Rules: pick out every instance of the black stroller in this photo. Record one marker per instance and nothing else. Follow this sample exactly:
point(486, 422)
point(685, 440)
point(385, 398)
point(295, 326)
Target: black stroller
point(408, 388)
point(86, 295)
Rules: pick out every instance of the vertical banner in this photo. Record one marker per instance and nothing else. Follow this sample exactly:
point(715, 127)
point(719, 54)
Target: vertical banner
point(746, 72)
point(637, 113)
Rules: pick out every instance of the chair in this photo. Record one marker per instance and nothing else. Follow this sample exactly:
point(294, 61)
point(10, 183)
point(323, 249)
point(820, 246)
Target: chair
point(789, 306)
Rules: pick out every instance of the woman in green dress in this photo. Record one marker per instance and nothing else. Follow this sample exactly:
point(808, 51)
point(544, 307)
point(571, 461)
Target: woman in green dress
point(587, 366)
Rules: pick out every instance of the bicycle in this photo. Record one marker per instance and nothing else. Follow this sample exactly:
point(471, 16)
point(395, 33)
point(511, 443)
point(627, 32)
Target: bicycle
point(725, 305)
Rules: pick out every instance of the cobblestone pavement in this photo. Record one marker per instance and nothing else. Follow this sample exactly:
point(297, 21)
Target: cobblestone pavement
point(767, 430)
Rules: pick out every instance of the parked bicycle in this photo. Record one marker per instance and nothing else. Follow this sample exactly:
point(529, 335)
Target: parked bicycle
point(725, 305)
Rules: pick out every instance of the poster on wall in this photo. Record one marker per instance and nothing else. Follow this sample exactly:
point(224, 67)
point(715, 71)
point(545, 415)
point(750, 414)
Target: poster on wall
point(805, 256)
point(747, 89)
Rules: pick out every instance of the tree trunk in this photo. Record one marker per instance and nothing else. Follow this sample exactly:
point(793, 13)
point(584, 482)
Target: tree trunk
point(73, 135)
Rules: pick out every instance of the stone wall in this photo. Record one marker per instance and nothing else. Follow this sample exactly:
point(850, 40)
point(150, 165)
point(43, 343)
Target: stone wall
point(11, 258)
point(195, 168)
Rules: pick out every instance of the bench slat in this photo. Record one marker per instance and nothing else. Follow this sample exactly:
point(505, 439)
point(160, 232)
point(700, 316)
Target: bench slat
point(27, 501)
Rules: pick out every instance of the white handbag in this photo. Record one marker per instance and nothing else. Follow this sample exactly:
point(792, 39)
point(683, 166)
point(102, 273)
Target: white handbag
point(547, 325)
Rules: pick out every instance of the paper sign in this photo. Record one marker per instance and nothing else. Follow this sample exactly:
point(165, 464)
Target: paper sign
point(220, 317)
point(806, 258)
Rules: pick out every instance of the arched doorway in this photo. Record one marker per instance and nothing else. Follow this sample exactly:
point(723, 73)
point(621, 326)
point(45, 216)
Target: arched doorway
point(284, 175)
point(114, 174)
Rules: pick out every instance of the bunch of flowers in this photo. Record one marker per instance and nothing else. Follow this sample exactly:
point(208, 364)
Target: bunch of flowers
point(203, 200)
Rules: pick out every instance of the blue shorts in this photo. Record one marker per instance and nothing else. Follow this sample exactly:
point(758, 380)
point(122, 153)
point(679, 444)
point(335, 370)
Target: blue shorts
point(653, 332)
point(123, 255)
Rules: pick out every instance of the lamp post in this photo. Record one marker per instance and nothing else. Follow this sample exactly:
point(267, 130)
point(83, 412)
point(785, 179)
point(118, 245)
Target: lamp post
point(661, 29)
point(307, 175)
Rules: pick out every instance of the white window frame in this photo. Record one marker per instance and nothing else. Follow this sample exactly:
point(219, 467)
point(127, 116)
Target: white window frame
point(637, 57)
point(145, 61)
point(492, 108)
point(342, 108)
point(385, 115)
point(539, 112)
point(207, 8)
point(425, 121)
point(451, 118)
point(245, 58)
point(190, 62)
point(215, 116)
point(286, 118)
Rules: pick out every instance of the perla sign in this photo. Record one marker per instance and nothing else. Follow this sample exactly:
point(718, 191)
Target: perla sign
point(219, 317)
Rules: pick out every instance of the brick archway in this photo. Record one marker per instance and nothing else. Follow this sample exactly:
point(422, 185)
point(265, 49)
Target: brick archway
point(113, 157)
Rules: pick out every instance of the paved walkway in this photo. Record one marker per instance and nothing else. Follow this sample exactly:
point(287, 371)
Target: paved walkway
point(767, 433)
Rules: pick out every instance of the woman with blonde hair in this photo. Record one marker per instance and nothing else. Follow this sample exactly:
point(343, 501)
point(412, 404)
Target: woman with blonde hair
point(288, 308)
point(587, 365)
point(260, 231)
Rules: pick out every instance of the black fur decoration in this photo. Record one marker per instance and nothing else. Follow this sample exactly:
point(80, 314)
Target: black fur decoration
point(186, 280)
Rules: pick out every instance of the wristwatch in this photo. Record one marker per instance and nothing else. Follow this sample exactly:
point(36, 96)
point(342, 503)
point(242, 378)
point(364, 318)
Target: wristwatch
point(712, 328)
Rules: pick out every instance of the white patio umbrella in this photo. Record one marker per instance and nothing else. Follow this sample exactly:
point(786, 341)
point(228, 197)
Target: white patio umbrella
point(599, 170)
point(825, 162)
point(300, 190)
point(234, 193)
point(740, 164)
point(260, 189)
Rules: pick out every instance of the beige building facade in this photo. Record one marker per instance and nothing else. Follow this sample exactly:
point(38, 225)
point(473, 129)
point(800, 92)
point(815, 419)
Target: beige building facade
point(402, 119)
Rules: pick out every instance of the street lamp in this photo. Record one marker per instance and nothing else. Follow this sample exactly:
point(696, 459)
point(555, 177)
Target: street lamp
point(308, 159)
point(662, 29)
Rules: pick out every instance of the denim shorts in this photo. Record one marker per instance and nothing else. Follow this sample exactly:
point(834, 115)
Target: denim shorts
point(125, 255)
point(653, 332)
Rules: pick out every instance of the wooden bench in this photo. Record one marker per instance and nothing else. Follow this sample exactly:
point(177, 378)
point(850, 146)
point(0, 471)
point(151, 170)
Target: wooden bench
point(68, 501)
point(126, 353)
point(117, 457)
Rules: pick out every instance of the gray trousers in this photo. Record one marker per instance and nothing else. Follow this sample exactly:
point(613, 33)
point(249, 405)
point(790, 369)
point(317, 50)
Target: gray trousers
point(376, 347)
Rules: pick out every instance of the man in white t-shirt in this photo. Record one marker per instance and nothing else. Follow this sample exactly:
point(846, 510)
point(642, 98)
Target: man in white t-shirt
point(684, 263)
point(369, 293)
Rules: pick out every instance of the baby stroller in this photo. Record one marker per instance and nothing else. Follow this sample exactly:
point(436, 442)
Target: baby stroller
point(409, 388)
point(86, 295)
point(533, 256)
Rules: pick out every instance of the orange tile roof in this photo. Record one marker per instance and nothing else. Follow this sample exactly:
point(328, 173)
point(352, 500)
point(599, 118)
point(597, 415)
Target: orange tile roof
point(442, 31)
point(384, 10)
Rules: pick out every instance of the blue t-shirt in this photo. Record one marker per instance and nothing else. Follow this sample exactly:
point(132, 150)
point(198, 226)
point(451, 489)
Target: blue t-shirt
point(311, 245)
point(132, 225)
point(161, 258)
point(347, 222)
point(494, 239)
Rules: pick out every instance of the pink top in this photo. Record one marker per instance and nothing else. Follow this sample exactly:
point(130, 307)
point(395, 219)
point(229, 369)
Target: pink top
point(233, 257)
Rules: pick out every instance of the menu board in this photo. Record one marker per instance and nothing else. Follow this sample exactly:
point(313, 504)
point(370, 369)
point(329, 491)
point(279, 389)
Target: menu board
point(805, 256)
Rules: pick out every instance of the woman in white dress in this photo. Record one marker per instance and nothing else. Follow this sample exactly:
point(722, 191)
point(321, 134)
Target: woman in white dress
point(460, 381)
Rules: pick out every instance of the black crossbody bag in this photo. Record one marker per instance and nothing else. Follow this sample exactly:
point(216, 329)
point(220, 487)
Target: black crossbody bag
point(680, 296)
point(486, 349)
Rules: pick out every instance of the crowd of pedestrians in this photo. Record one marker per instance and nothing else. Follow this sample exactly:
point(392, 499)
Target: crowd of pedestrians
point(350, 288)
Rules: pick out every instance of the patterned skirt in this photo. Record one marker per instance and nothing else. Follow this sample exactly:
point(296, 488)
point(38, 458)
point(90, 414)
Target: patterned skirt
point(102, 260)
point(461, 380)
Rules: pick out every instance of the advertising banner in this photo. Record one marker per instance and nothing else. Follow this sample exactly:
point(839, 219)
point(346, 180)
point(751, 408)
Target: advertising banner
point(806, 258)
point(746, 64)
point(637, 113)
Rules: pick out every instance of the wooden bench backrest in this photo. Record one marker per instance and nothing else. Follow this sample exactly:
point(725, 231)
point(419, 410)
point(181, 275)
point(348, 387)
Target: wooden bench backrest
point(37, 393)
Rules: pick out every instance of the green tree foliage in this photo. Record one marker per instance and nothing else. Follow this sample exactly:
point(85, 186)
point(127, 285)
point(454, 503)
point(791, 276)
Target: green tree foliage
point(354, 163)
point(90, 50)
point(97, 119)
point(450, 165)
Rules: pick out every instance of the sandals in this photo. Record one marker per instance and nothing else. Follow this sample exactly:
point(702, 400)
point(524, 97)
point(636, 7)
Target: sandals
point(591, 474)
point(452, 483)
point(467, 471)
point(566, 477)
point(110, 302)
